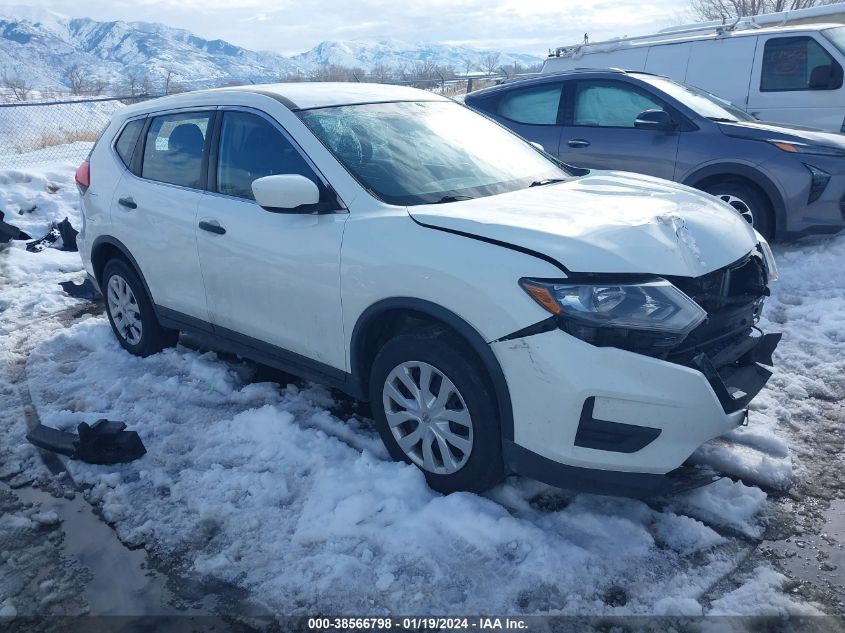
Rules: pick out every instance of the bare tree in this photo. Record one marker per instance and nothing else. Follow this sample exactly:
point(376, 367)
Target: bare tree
point(97, 86)
point(380, 73)
point(490, 62)
point(76, 80)
point(167, 80)
point(19, 87)
point(730, 9)
point(131, 82)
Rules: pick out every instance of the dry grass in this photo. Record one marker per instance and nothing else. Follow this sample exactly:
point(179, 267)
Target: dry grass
point(63, 137)
point(57, 137)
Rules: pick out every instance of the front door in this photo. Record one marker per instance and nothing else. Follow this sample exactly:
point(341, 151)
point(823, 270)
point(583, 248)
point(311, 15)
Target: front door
point(797, 80)
point(600, 133)
point(270, 278)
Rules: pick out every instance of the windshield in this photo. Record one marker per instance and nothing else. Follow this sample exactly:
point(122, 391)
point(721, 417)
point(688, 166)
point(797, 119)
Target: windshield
point(699, 101)
point(837, 37)
point(410, 153)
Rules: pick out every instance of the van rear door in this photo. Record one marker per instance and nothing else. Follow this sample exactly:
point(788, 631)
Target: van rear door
point(798, 79)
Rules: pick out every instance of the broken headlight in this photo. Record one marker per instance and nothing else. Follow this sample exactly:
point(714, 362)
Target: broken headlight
point(768, 259)
point(645, 317)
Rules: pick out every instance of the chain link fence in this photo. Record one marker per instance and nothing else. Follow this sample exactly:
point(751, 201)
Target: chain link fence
point(64, 130)
point(36, 132)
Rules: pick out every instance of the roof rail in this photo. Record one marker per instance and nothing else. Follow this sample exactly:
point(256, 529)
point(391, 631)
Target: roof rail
point(720, 29)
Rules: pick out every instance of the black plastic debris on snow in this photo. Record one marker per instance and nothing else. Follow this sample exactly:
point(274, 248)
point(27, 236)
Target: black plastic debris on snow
point(63, 231)
point(104, 442)
point(86, 290)
point(9, 232)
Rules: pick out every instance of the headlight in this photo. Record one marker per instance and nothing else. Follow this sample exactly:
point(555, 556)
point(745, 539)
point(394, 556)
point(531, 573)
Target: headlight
point(804, 148)
point(653, 306)
point(768, 259)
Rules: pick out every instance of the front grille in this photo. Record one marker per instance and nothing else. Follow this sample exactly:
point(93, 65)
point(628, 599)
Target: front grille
point(733, 299)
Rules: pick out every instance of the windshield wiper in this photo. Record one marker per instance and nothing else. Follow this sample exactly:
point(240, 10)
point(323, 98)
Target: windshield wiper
point(717, 119)
point(547, 181)
point(445, 199)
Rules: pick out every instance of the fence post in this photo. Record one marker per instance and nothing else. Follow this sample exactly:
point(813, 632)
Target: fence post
point(442, 82)
point(469, 85)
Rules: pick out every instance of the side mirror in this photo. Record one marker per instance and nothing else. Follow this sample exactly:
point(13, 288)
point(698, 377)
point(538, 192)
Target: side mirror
point(537, 146)
point(285, 193)
point(655, 120)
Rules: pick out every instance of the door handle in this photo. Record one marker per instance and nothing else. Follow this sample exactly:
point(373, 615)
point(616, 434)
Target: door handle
point(578, 142)
point(212, 227)
point(128, 202)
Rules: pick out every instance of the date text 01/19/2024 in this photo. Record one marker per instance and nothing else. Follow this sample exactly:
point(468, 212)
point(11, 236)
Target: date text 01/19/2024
point(412, 624)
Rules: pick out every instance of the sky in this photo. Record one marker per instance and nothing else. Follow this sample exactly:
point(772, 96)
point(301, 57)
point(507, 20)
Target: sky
point(293, 26)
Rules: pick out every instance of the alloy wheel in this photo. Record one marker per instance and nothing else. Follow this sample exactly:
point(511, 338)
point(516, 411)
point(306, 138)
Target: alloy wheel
point(428, 417)
point(739, 204)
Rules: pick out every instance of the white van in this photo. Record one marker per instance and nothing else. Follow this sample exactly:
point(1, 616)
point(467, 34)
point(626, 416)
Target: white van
point(786, 74)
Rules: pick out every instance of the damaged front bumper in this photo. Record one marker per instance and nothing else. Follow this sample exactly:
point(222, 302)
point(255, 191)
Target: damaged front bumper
point(737, 383)
point(611, 421)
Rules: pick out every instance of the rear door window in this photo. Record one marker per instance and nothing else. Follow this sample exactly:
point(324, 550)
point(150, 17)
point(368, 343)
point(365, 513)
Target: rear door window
point(174, 149)
point(536, 106)
point(251, 148)
point(798, 63)
point(610, 104)
point(125, 144)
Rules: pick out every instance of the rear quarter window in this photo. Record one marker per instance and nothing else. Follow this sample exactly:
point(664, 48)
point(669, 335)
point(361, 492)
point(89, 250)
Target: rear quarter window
point(127, 140)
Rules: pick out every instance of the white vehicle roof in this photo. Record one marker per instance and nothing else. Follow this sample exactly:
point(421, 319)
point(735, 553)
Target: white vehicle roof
point(299, 95)
point(694, 34)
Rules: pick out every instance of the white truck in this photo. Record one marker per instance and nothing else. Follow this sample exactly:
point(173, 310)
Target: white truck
point(788, 73)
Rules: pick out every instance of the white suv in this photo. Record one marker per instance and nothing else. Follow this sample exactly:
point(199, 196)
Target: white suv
point(502, 312)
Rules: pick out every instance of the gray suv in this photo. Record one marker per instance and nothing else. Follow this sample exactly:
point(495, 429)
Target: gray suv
point(788, 181)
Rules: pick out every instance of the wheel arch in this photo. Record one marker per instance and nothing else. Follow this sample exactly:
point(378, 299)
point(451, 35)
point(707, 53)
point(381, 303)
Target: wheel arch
point(746, 173)
point(381, 319)
point(106, 247)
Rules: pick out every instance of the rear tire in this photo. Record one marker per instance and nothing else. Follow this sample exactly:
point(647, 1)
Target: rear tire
point(439, 405)
point(131, 312)
point(749, 202)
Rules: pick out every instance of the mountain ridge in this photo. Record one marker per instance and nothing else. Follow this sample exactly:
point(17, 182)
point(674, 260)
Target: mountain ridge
point(41, 45)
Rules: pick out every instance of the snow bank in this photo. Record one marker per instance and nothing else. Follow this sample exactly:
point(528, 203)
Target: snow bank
point(263, 486)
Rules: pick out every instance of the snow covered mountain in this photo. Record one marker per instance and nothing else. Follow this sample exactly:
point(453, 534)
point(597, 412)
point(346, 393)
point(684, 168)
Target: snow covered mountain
point(41, 45)
point(396, 54)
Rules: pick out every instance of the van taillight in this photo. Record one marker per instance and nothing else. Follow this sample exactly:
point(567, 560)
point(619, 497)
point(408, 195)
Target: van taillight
point(83, 176)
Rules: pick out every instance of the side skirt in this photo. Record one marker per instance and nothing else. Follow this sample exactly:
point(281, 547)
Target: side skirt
point(222, 339)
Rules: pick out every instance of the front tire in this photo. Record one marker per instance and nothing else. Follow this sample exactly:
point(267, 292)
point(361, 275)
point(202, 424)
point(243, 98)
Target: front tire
point(433, 408)
point(748, 202)
point(131, 313)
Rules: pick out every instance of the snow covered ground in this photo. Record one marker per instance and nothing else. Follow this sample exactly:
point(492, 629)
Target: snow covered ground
point(279, 490)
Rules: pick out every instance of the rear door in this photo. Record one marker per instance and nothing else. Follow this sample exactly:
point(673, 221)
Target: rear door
point(154, 208)
point(798, 79)
point(532, 112)
point(600, 133)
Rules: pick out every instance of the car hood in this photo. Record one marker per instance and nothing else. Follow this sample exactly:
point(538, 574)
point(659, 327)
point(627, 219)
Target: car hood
point(782, 132)
point(605, 222)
